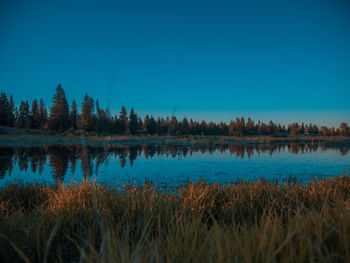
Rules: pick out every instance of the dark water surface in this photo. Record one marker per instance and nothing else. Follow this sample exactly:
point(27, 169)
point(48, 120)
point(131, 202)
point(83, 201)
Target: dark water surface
point(173, 164)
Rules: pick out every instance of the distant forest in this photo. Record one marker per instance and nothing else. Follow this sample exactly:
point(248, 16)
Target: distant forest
point(92, 118)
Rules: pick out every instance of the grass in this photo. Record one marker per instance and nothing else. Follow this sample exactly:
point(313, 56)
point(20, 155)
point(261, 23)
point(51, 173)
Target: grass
point(241, 222)
point(13, 137)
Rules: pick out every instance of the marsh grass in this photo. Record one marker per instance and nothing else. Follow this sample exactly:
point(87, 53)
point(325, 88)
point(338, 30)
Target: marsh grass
point(199, 222)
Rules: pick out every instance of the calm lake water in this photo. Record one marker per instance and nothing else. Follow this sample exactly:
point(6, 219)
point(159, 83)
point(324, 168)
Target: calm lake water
point(172, 164)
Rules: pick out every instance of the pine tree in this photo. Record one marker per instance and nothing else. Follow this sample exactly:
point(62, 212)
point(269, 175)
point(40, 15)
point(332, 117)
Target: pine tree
point(241, 126)
point(99, 117)
point(159, 127)
point(115, 124)
point(23, 119)
point(184, 127)
point(231, 128)
point(212, 128)
point(151, 126)
point(43, 114)
point(133, 122)
point(4, 109)
point(86, 118)
point(203, 127)
point(302, 129)
point(165, 126)
point(140, 124)
point(123, 121)
point(73, 116)
point(103, 121)
point(324, 130)
point(35, 116)
point(11, 118)
point(250, 127)
point(174, 126)
point(59, 111)
point(145, 123)
point(344, 129)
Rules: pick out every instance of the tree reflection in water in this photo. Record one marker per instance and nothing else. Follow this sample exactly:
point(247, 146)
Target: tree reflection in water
point(91, 157)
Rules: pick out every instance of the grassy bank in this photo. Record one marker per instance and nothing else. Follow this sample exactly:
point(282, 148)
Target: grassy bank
point(12, 137)
point(243, 222)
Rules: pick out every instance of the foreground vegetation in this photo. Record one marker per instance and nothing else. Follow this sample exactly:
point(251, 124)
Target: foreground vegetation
point(242, 222)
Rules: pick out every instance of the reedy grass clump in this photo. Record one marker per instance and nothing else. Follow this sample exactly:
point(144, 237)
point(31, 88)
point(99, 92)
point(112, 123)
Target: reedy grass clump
point(199, 222)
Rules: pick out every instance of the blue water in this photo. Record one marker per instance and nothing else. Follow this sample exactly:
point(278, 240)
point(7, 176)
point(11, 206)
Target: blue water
point(175, 168)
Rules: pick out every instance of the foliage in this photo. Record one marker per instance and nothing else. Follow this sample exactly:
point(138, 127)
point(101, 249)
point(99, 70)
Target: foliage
point(59, 111)
point(74, 115)
point(7, 111)
point(133, 122)
point(102, 122)
point(23, 119)
point(87, 111)
point(35, 116)
point(42, 114)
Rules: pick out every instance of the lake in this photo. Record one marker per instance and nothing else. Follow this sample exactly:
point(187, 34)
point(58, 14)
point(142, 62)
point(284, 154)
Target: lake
point(172, 164)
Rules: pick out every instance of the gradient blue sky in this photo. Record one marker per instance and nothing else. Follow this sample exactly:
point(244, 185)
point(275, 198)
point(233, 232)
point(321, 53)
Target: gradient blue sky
point(280, 60)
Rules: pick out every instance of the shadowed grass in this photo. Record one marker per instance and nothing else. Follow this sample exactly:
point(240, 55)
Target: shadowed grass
point(242, 222)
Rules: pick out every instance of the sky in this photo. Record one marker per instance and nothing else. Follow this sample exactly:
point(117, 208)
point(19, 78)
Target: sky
point(279, 60)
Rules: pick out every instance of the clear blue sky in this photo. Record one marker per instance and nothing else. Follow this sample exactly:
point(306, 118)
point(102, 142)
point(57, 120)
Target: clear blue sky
point(280, 60)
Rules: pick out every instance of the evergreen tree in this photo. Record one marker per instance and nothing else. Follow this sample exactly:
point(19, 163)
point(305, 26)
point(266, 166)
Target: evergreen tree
point(151, 127)
point(12, 113)
point(23, 120)
point(203, 128)
point(184, 127)
point(140, 125)
point(133, 122)
point(99, 117)
point(159, 130)
point(115, 124)
point(212, 129)
point(74, 115)
point(123, 121)
point(324, 130)
point(271, 128)
point(4, 110)
point(165, 126)
point(302, 129)
point(86, 118)
point(222, 129)
point(35, 116)
point(59, 111)
point(344, 129)
point(145, 123)
point(43, 114)
point(250, 127)
point(109, 122)
point(174, 126)
point(231, 128)
point(103, 121)
point(241, 127)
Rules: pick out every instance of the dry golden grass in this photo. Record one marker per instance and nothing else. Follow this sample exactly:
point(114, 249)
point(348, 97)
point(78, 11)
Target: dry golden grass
point(243, 222)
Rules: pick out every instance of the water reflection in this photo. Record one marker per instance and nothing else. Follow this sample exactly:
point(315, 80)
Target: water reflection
point(60, 158)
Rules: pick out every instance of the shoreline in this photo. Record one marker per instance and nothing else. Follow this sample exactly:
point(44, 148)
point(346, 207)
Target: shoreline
point(31, 139)
point(14, 137)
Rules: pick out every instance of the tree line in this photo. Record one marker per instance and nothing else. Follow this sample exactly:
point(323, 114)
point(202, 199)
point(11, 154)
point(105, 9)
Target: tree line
point(62, 117)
